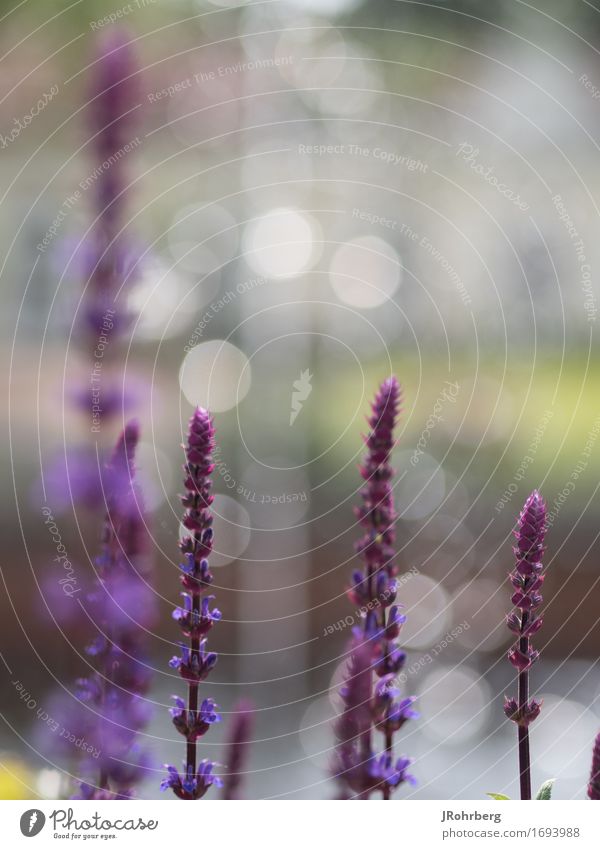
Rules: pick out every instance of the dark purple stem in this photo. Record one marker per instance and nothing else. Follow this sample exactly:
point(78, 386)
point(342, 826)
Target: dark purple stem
point(523, 730)
point(193, 692)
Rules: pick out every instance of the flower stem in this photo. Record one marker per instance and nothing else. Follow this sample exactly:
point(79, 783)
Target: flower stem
point(523, 697)
point(193, 691)
point(389, 748)
point(524, 764)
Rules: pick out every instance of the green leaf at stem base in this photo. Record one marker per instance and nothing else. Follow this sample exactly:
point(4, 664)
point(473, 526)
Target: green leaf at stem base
point(545, 791)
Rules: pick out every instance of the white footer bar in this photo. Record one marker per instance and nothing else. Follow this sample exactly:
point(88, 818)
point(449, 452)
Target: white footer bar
point(302, 824)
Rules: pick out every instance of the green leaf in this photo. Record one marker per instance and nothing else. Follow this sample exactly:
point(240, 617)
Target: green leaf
point(499, 797)
point(545, 791)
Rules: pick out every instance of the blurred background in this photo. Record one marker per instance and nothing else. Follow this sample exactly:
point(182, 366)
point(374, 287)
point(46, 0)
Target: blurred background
point(320, 194)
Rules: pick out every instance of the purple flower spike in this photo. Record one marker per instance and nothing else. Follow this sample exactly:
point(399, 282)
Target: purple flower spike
point(237, 750)
point(374, 589)
point(593, 789)
point(113, 106)
point(358, 770)
point(377, 514)
point(122, 607)
point(195, 616)
point(526, 579)
point(107, 258)
point(353, 727)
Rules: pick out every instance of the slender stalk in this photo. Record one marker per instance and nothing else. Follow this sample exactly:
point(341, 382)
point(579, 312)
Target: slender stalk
point(523, 696)
point(193, 690)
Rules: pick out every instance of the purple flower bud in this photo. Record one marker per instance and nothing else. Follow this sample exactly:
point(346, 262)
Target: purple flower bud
point(383, 770)
point(390, 662)
point(526, 578)
point(522, 715)
point(522, 660)
point(192, 784)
